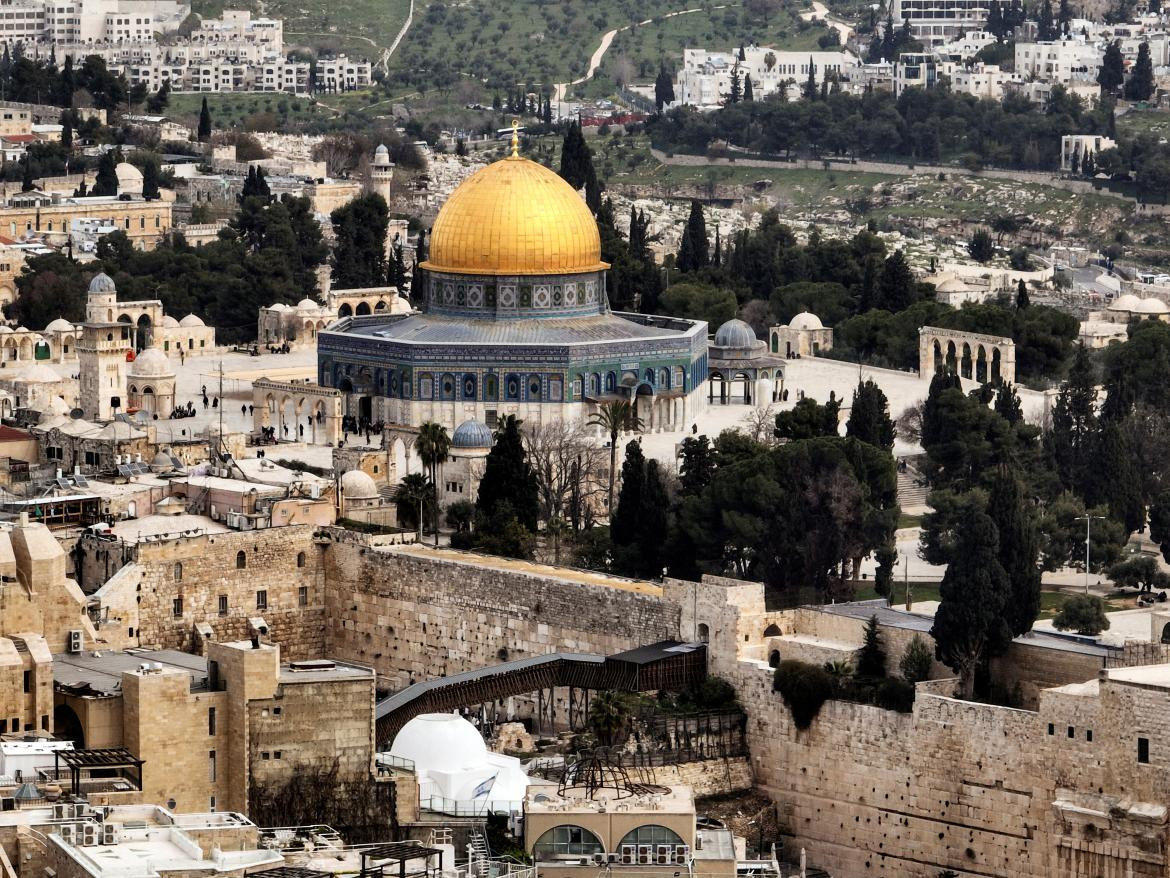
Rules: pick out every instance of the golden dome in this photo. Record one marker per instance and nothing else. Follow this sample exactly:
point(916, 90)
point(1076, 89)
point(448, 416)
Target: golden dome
point(514, 217)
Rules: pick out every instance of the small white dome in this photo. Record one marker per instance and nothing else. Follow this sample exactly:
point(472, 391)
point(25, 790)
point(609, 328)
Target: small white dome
point(5, 329)
point(356, 485)
point(1128, 302)
point(102, 283)
point(191, 320)
point(1152, 306)
point(151, 363)
point(128, 175)
point(308, 305)
point(806, 320)
point(279, 306)
point(168, 321)
point(59, 325)
point(440, 742)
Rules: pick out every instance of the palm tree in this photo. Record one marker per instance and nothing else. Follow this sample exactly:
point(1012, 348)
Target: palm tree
point(432, 447)
point(613, 417)
point(413, 491)
point(609, 717)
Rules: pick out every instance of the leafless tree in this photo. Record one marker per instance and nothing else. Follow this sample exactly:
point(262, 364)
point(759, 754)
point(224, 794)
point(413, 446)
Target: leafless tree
point(342, 153)
point(758, 315)
point(760, 424)
point(569, 469)
point(909, 423)
point(623, 70)
point(357, 807)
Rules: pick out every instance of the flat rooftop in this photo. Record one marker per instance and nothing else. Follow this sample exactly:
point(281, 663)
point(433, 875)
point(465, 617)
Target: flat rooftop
point(543, 799)
point(153, 851)
point(132, 530)
point(1150, 676)
point(100, 673)
point(544, 571)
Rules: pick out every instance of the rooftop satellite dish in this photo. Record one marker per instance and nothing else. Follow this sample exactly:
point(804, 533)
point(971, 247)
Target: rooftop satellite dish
point(77, 413)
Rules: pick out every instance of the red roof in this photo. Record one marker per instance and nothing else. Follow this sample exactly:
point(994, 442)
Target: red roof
point(20, 138)
point(11, 434)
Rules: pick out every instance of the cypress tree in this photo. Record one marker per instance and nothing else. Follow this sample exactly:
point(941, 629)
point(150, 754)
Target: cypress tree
point(969, 621)
point(1045, 30)
point(869, 416)
point(748, 94)
point(1112, 73)
point(736, 87)
point(66, 134)
point(508, 477)
point(1140, 85)
point(204, 131)
point(1019, 551)
point(663, 88)
point(106, 181)
point(871, 658)
point(1022, 300)
point(1063, 18)
point(27, 184)
point(1007, 404)
point(150, 188)
point(810, 85)
point(1074, 423)
point(694, 250)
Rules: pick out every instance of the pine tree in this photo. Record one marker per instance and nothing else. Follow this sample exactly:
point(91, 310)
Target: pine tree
point(1019, 550)
point(66, 134)
point(1076, 160)
point(736, 87)
point(889, 46)
point(204, 130)
point(694, 250)
point(1007, 404)
point(106, 181)
point(1045, 30)
point(1115, 478)
point(1089, 165)
point(1140, 85)
point(896, 287)
point(995, 20)
point(27, 184)
point(869, 416)
point(508, 477)
point(1022, 300)
point(696, 465)
point(975, 589)
point(1064, 17)
point(577, 166)
point(871, 658)
point(1112, 72)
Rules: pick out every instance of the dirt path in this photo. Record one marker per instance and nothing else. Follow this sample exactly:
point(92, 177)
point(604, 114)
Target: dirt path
point(561, 88)
point(820, 12)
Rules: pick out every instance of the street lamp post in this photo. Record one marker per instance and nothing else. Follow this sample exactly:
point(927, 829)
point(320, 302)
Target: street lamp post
point(1088, 519)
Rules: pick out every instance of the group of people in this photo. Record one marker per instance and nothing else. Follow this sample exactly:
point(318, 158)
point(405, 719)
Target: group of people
point(183, 411)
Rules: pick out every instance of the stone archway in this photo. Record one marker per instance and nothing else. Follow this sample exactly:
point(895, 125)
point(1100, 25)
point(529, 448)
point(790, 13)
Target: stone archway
point(971, 355)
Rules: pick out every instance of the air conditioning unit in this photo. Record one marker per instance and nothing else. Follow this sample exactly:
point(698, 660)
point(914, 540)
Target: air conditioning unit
point(662, 854)
point(67, 832)
point(629, 854)
point(613, 858)
point(74, 640)
point(599, 859)
point(109, 834)
point(62, 812)
point(645, 855)
point(80, 809)
point(681, 854)
point(90, 834)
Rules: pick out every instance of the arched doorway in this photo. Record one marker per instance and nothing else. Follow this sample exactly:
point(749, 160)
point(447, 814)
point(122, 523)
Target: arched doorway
point(345, 311)
point(363, 309)
point(67, 726)
point(143, 337)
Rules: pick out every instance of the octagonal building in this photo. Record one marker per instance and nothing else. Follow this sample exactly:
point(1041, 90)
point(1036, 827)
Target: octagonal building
point(515, 320)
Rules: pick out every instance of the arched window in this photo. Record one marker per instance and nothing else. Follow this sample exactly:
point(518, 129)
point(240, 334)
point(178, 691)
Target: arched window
point(447, 387)
point(1166, 633)
point(178, 573)
point(534, 387)
point(566, 841)
point(300, 559)
point(704, 633)
point(241, 560)
point(469, 386)
point(610, 382)
point(651, 834)
point(772, 631)
point(512, 387)
point(491, 388)
point(774, 659)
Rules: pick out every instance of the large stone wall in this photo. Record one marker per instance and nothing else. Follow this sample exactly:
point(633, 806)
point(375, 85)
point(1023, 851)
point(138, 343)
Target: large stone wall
point(413, 616)
point(137, 605)
point(979, 789)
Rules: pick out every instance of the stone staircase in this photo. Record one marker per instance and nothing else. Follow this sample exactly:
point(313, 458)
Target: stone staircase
point(912, 489)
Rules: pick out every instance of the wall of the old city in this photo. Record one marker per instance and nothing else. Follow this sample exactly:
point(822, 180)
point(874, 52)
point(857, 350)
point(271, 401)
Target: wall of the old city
point(416, 617)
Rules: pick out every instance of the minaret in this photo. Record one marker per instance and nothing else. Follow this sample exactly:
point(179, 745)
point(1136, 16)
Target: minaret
point(101, 354)
point(382, 172)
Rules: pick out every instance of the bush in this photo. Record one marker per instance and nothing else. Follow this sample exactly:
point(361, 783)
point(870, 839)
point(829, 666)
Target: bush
point(805, 688)
point(1082, 613)
point(916, 661)
point(895, 694)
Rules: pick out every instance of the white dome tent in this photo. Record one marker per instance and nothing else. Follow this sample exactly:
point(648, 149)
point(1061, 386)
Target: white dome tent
point(453, 764)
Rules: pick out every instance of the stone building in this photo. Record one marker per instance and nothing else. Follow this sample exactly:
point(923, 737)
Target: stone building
point(151, 383)
point(299, 324)
point(515, 321)
point(804, 336)
point(259, 720)
point(145, 223)
point(736, 358)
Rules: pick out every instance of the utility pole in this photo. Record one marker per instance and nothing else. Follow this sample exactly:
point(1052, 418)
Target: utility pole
point(1088, 519)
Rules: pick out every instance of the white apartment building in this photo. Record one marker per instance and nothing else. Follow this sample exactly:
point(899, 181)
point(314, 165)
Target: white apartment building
point(342, 74)
point(705, 78)
point(88, 22)
point(1081, 145)
point(923, 69)
point(939, 21)
point(238, 26)
point(1039, 92)
point(982, 81)
point(1063, 61)
point(968, 45)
